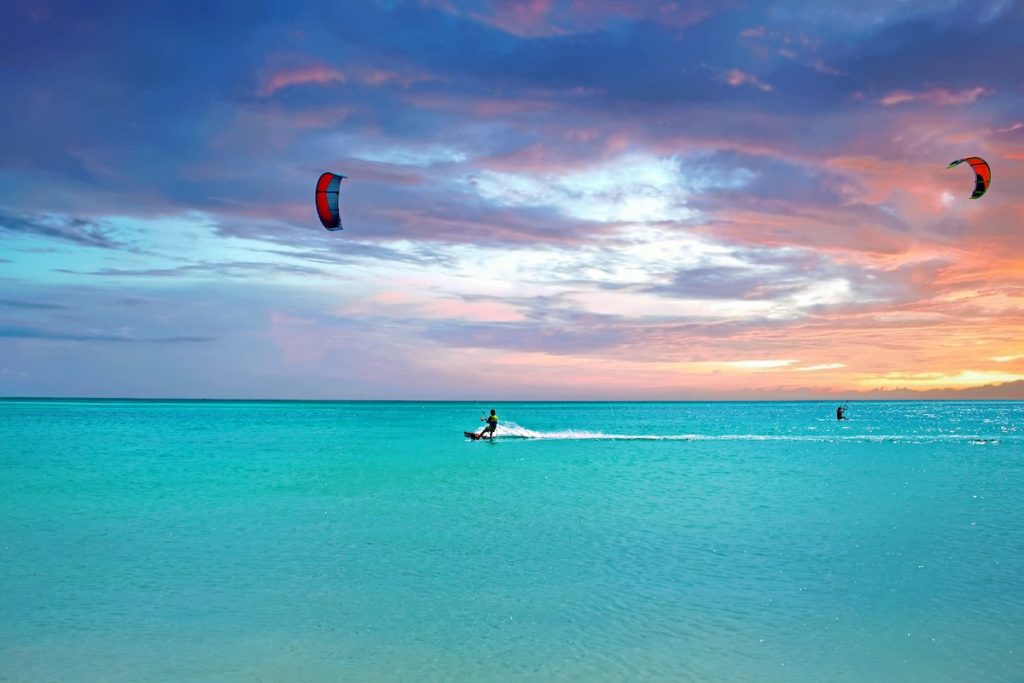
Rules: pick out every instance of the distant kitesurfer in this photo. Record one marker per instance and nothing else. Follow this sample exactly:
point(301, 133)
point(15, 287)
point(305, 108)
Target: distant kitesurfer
point(492, 424)
point(841, 412)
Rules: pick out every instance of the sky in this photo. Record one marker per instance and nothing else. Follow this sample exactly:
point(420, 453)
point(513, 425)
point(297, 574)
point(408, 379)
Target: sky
point(586, 199)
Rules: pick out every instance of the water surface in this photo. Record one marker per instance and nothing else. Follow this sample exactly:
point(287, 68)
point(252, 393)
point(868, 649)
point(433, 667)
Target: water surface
point(241, 541)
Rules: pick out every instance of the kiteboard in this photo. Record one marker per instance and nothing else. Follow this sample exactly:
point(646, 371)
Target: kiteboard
point(475, 436)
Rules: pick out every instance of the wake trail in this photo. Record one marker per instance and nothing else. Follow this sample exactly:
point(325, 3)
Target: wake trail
point(511, 430)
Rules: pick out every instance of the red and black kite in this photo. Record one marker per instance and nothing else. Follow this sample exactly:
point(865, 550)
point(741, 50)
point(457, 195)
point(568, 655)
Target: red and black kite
point(982, 174)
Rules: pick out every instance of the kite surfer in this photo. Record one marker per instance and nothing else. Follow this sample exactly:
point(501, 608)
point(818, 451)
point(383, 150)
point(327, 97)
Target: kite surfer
point(492, 424)
point(841, 412)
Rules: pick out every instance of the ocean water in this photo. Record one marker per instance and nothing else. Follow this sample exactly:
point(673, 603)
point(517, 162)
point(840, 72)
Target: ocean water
point(291, 541)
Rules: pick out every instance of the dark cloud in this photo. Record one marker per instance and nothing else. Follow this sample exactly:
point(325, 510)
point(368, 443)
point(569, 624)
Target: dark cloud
point(1007, 391)
point(766, 179)
point(625, 61)
point(353, 252)
point(125, 76)
point(358, 242)
point(31, 305)
point(68, 229)
point(225, 269)
point(729, 282)
point(12, 332)
point(952, 49)
point(379, 215)
point(479, 223)
point(777, 274)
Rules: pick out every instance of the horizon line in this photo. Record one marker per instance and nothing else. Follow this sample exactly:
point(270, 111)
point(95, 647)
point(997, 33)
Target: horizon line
point(498, 401)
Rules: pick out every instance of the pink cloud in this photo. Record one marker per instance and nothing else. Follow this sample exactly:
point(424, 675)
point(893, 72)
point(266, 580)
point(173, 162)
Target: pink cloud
point(380, 77)
point(323, 75)
point(524, 18)
point(427, 306)
point(783, 224)
point(878, 180)
point(897, 97)
point(767, 43)
point(735, 78)
point(937, 96)
point(316, 75)
point(821, 67)
point(542, 18)
point(563, 151)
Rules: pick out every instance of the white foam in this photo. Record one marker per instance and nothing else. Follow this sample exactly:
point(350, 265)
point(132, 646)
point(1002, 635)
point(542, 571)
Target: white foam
point(511, 430)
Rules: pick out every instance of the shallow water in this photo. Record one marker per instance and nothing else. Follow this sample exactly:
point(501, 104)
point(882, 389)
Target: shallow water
point(222, 541)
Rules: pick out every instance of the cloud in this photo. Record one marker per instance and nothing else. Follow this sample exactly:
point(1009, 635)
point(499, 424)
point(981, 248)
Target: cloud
point(819, 367)
point(318, 74)
point(325, 75)
point(1004, 391)
point(79, 231)
point(936, 96)
point(762, 364)
point(632, 188)
point(31, 305)
point(595, 13)
point(940, 380)
point(14, 332)
point(735, 77)
point(535, 337)
point(523, 18)
point(871, 16)
point(354, 252)
point(236, 269)
point(899, 56)
point(618, 184)
point(539, 19)
point(732, 282)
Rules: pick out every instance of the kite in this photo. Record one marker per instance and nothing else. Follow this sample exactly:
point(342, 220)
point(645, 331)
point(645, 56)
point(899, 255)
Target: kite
point(982, 174)
point(327, 207)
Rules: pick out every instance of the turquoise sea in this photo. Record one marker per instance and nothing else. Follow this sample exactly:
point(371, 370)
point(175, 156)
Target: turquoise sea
point(292, 541)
